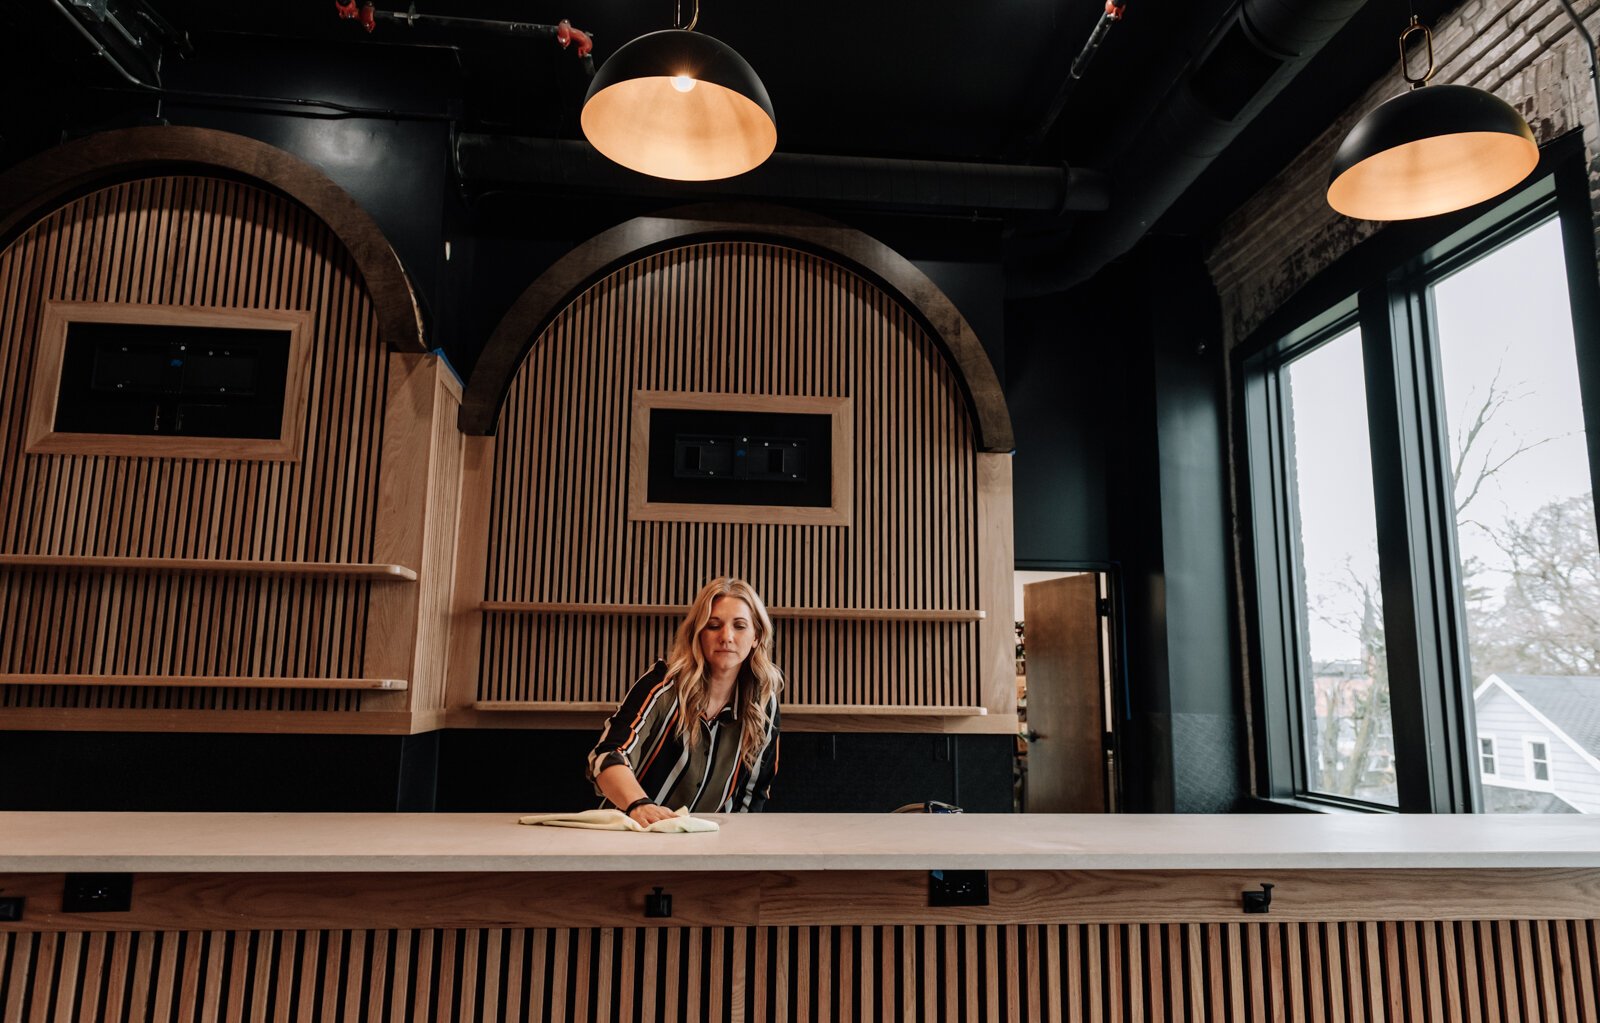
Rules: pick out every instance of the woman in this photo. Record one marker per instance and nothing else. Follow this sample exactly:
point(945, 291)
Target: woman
point(699, 730)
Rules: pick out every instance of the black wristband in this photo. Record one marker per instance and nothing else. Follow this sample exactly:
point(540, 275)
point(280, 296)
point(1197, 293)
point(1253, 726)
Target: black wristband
point(641, 801)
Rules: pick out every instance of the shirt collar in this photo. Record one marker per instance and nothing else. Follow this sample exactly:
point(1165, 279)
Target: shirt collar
point(747, 678)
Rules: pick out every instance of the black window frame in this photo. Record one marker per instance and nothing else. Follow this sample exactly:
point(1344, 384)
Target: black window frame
point(1382, 285)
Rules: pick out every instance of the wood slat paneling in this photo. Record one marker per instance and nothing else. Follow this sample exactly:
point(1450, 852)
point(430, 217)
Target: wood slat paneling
point(746, 319)
point(204, 243)
point(1091, 972)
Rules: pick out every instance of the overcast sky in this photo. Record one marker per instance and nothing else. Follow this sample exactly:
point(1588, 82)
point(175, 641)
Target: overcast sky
point(1506, 314)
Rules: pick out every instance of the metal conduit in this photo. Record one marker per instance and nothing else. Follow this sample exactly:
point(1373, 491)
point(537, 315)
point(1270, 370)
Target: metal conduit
point(486, 162)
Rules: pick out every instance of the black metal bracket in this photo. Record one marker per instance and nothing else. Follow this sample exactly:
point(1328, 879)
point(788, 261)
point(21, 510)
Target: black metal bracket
point(658, 903)
point(1257, 902)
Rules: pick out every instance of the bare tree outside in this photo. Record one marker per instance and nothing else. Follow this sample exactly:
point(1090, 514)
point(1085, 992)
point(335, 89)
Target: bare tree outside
point(1547, 620)
point(1544, 619)
point(1528, 564)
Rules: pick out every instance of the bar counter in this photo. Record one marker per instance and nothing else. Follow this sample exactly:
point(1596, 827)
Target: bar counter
point(784, 916)
point(270, 842)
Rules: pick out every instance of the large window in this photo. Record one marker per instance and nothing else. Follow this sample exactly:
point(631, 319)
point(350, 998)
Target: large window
point(1527, 559)
point(1344, 681)
point(1422, 554)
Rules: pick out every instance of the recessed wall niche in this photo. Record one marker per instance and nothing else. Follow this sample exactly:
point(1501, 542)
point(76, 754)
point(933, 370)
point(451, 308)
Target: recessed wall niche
point(169, 381)
point(709, 457)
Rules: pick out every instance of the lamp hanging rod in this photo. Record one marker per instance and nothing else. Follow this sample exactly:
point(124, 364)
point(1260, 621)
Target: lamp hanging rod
point(694, 18)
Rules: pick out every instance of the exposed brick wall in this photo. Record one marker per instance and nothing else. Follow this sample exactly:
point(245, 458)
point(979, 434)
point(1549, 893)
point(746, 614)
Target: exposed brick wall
point(1526, 52)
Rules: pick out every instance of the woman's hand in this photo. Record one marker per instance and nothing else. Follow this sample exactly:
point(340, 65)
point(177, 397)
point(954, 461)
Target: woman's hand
point(649, 813)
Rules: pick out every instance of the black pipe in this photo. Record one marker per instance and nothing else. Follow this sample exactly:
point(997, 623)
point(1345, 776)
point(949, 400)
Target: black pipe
point(485, 162)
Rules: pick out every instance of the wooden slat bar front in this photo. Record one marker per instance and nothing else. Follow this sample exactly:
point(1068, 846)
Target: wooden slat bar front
point(808, 917)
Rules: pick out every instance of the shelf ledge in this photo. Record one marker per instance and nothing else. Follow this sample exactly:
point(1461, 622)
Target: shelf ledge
point(204, 681)
point(832, 614)
point(787, 709)
point(209, 566)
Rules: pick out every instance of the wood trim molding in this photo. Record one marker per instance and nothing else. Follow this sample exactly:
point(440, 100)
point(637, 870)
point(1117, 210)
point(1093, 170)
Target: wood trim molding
point(37, 185)
point(294, 900)
point(996, 636)
point(538, 306)
point(58, 318)
point(841, 469)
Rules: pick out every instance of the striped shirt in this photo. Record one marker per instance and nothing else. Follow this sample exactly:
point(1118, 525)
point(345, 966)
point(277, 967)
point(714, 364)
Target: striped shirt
point(710, 778)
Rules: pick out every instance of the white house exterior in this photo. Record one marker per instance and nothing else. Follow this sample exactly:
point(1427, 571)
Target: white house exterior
point(1539, 743)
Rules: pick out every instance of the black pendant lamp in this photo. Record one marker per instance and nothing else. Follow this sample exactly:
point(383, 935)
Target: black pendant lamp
point(682, 105)
point(1430, 151)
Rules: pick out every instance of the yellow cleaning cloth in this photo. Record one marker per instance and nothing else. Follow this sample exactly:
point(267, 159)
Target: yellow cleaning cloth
point(616, 820)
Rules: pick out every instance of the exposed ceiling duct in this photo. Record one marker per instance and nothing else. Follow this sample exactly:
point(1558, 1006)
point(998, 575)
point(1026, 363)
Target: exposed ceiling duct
point(498, 162)
point(1257, 50)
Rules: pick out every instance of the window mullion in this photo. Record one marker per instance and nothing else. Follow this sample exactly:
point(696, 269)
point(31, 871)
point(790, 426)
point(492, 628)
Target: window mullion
point(1411, 486)
point(1296, 667)
point(1279, 732)
point(1583, 290)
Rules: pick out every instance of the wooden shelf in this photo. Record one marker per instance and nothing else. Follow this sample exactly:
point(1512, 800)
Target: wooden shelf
point(209, 566)
point(204, 681)
point(883, 710)
point(787, 709)
point(548, 706)
point(831, 614)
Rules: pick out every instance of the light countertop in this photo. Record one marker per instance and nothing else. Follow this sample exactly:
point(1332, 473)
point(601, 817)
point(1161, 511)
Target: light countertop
point(48, 842)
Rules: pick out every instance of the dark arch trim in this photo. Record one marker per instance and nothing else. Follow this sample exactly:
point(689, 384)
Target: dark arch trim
point(39, 185)
point(588, 264)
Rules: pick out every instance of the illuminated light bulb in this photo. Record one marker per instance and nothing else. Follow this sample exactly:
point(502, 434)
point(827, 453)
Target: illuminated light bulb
point(683, 83)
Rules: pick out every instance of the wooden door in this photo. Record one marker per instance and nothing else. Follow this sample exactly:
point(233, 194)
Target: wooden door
point(1066, 702)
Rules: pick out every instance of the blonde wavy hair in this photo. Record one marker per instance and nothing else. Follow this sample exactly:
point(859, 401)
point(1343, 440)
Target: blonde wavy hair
point(687, 664)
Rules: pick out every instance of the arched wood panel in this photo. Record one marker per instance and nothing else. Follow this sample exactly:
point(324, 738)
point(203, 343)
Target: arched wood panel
point(1538, 971)
point(589, 263)
point(191, 241)
point(38, 184)
point(741, 318)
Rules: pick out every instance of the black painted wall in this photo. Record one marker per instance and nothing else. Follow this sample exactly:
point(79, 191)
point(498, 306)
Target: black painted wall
point(1065, 356)
point(498, 771)
point(1184, 740)
point(1116, 394)
point(1117, 416)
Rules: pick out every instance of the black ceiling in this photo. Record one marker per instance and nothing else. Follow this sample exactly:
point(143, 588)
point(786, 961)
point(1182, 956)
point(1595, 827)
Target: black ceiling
point(937, 79)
